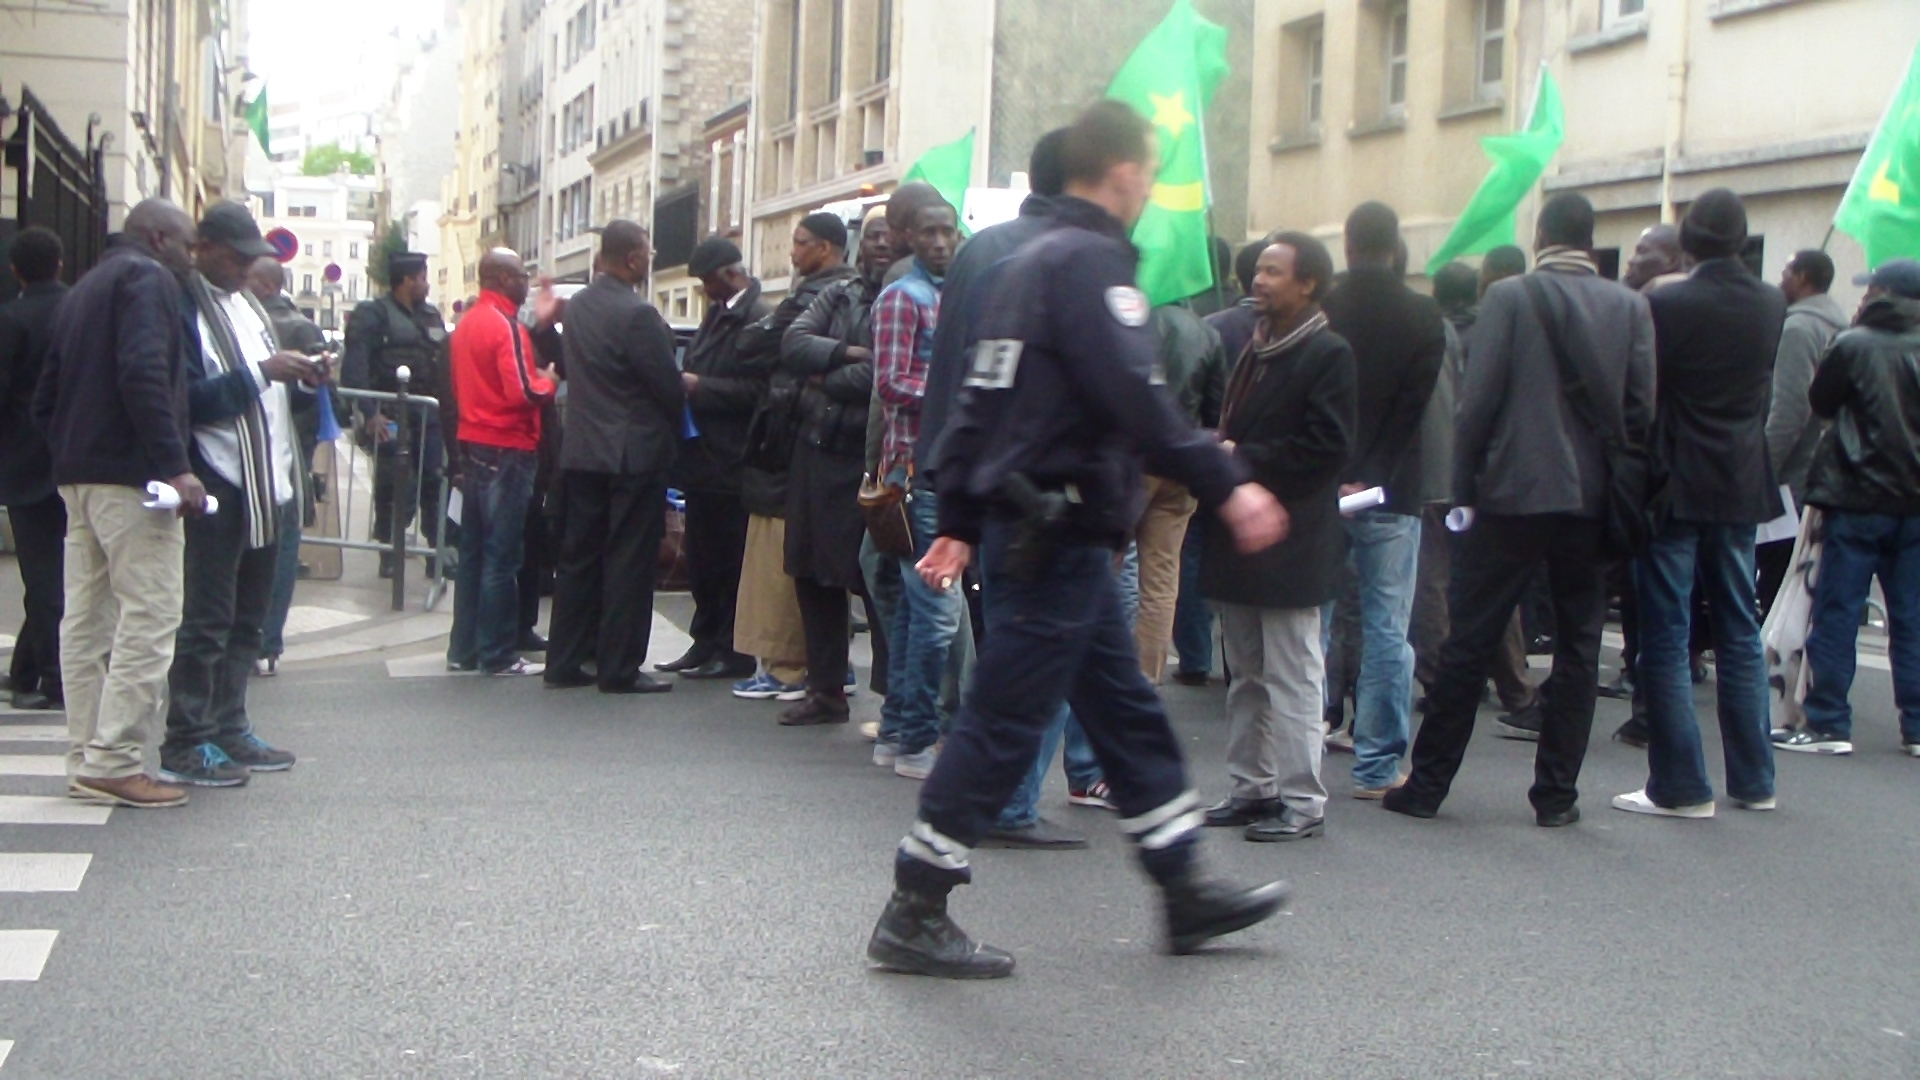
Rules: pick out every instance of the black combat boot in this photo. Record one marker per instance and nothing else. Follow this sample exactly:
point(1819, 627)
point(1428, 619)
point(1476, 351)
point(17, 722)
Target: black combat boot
point(1199, 909)
point(915, 937)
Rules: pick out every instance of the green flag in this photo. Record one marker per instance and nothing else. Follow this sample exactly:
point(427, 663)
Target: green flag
point(1518, 161)
point(1881, 208)
point(949, 168)
point(257, 120)
point(1170, 78)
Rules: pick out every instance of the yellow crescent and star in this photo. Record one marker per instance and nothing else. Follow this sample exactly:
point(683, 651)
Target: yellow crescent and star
point(1171, 115)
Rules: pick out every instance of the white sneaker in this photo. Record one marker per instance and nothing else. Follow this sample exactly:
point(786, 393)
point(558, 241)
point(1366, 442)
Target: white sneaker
point(1911, 749)
point(1340, 742)
point(519, 668)
point(915, 766)
point(870, 731)
point(1767, 803)
point(1637, 803)
point(885, 754)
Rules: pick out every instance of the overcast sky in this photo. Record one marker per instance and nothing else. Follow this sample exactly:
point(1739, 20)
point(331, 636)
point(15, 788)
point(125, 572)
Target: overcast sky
point(299, 47)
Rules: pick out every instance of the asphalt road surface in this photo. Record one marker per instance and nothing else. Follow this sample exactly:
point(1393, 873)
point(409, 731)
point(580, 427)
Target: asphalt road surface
point(477, 877)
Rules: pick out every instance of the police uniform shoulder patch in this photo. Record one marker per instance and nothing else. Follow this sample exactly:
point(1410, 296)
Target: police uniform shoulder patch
point(996, 363)
point(1129, 305)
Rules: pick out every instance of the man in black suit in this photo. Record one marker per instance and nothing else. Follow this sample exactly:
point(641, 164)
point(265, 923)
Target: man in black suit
point(624, 402)
point(34, 509)
point(1717, 333)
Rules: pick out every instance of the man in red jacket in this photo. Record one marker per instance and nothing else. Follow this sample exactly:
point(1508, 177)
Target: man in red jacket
point(499, 388)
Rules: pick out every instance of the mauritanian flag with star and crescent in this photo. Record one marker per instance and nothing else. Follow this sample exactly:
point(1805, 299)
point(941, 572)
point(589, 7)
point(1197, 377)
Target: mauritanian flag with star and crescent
point(1881, 208)
point(1171, 78)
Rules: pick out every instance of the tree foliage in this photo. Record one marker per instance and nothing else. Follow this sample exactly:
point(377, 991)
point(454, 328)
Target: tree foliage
point(393, 241)
point(326, 160)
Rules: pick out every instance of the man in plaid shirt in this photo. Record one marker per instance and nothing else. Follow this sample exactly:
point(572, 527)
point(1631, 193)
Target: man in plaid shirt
point(904, 318)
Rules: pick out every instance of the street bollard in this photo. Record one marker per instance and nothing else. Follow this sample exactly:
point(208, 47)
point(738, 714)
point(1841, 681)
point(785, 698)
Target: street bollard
point(403, 473)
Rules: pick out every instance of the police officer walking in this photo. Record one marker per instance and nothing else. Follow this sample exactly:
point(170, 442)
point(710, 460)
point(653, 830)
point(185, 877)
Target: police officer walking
point(384, 335)
point(1040, 468)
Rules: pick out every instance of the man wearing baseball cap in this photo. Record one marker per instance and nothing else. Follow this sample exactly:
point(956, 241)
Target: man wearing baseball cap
point(243, 452)
point(1866, 478)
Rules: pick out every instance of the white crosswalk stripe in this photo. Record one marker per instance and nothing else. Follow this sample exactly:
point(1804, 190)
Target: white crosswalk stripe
point(50, 810)
point(24, 952)
point(33, 733)
point(33, 765)
point(40, 871)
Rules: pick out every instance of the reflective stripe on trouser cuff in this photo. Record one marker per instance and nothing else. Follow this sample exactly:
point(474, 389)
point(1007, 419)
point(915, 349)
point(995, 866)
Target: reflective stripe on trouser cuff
point(929, 846)
point(1170, 833)
point(1146, 823)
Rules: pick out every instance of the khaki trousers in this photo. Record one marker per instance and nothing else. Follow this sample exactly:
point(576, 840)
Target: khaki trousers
point(124, 582)
point(1161, 532)
point(766, 618)
point(1276, 736)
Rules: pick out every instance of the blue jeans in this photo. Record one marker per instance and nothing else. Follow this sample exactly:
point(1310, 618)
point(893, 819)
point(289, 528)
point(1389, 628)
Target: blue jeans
point(882, 575)
point(486, 601)
point(286, 573)
point(1722, 557)
point(1128, 576)
point(1855, 548)
point(1386, 559)
point(1192, 615)
point(923, 639)
point(1080, 763)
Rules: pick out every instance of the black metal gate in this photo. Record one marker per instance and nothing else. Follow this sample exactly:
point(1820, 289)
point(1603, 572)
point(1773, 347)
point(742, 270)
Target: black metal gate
point(58, 185)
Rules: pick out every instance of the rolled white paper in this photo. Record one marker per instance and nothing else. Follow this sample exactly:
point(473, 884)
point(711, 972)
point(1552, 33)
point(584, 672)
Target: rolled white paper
point(1460, 519)
point(1363, 500)
point(166, 498)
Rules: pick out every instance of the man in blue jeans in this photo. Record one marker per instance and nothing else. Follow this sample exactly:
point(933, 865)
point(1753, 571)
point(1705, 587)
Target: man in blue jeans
point(1715, 337)
point(1399, 342)
point(1866, 479)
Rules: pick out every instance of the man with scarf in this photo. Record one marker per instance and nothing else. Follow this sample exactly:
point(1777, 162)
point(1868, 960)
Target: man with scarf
point(1289, 417)
point(1534, 479)
point(244, 453)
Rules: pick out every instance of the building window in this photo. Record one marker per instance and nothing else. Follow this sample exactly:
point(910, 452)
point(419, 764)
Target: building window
point(1315, 42)
point(353, 250)
point(883, 41)
point(1614, 12)
point(1492, 67)
point(1395, 38)
point(306, 282)
point(326, 249)
point(309, 251)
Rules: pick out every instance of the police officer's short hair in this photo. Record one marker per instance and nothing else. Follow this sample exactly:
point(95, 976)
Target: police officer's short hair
point(1815, 267)
point(36, 253)
point(1311, 260)
point(1109, 133)
point(1046, 173)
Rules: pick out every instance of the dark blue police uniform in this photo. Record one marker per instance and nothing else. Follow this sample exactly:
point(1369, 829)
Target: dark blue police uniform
point(1062, 392)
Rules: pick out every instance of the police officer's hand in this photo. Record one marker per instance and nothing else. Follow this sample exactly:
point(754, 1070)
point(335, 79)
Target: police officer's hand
point(1255, 517)
point(946, 560)
point(285, 366)
point(193, 495)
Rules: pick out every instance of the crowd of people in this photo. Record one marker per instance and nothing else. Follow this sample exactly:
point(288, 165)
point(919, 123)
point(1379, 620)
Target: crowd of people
point(1361, 486)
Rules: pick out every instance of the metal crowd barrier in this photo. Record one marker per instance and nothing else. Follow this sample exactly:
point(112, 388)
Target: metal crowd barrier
point(345, 499)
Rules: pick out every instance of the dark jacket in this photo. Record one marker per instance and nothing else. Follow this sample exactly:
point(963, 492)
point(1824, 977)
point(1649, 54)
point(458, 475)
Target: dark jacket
point(1292, 425)
point(1193, 361)
point(624, 398)
point(834, 410)
point(112, 398)
point(1062, 390)
point(1518, 449)
point(723, 403)
point(962, 297)
point(1792, 431)
point(1398, 345)
point(26, 330)
point(764, 491)
point(1869, 386)
point(1235, 326)
point(383, 336)
point(1715, 336)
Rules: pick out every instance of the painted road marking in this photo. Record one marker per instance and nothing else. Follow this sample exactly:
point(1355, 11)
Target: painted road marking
point(50, 810)
point(33, 764)
point(33, 732)
point(42, 872)
point(23, 953)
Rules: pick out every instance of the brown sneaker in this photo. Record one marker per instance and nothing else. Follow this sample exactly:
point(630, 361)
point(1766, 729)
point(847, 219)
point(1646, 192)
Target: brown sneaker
point(139, 791)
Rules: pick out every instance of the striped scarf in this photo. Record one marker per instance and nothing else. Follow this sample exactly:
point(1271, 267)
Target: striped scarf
point(256, 455)
point(1252, 364)
point(1565, 259)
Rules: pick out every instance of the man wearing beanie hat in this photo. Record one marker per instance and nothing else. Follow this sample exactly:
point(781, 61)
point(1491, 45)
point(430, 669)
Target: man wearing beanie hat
point(721, 397)
point(384, 335)
point(767, 621)
point(1716, 335)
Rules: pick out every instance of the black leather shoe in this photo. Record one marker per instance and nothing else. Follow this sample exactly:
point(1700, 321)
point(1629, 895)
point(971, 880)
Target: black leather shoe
point(1042, 835)
point(565, 680)
point(818, 708)
point(1401, 800)
point(34, 700)
point(1289, 824)
point(1632, 733)
point(1620, 689)
point(916, 937)
point(739, 667)
point(531, 641)
point(693, 658)
point(1191, 678)
point(1199, 910)
point(642, 683)
point(1235, 811)
point(1558, 818)
point(1523, 725)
